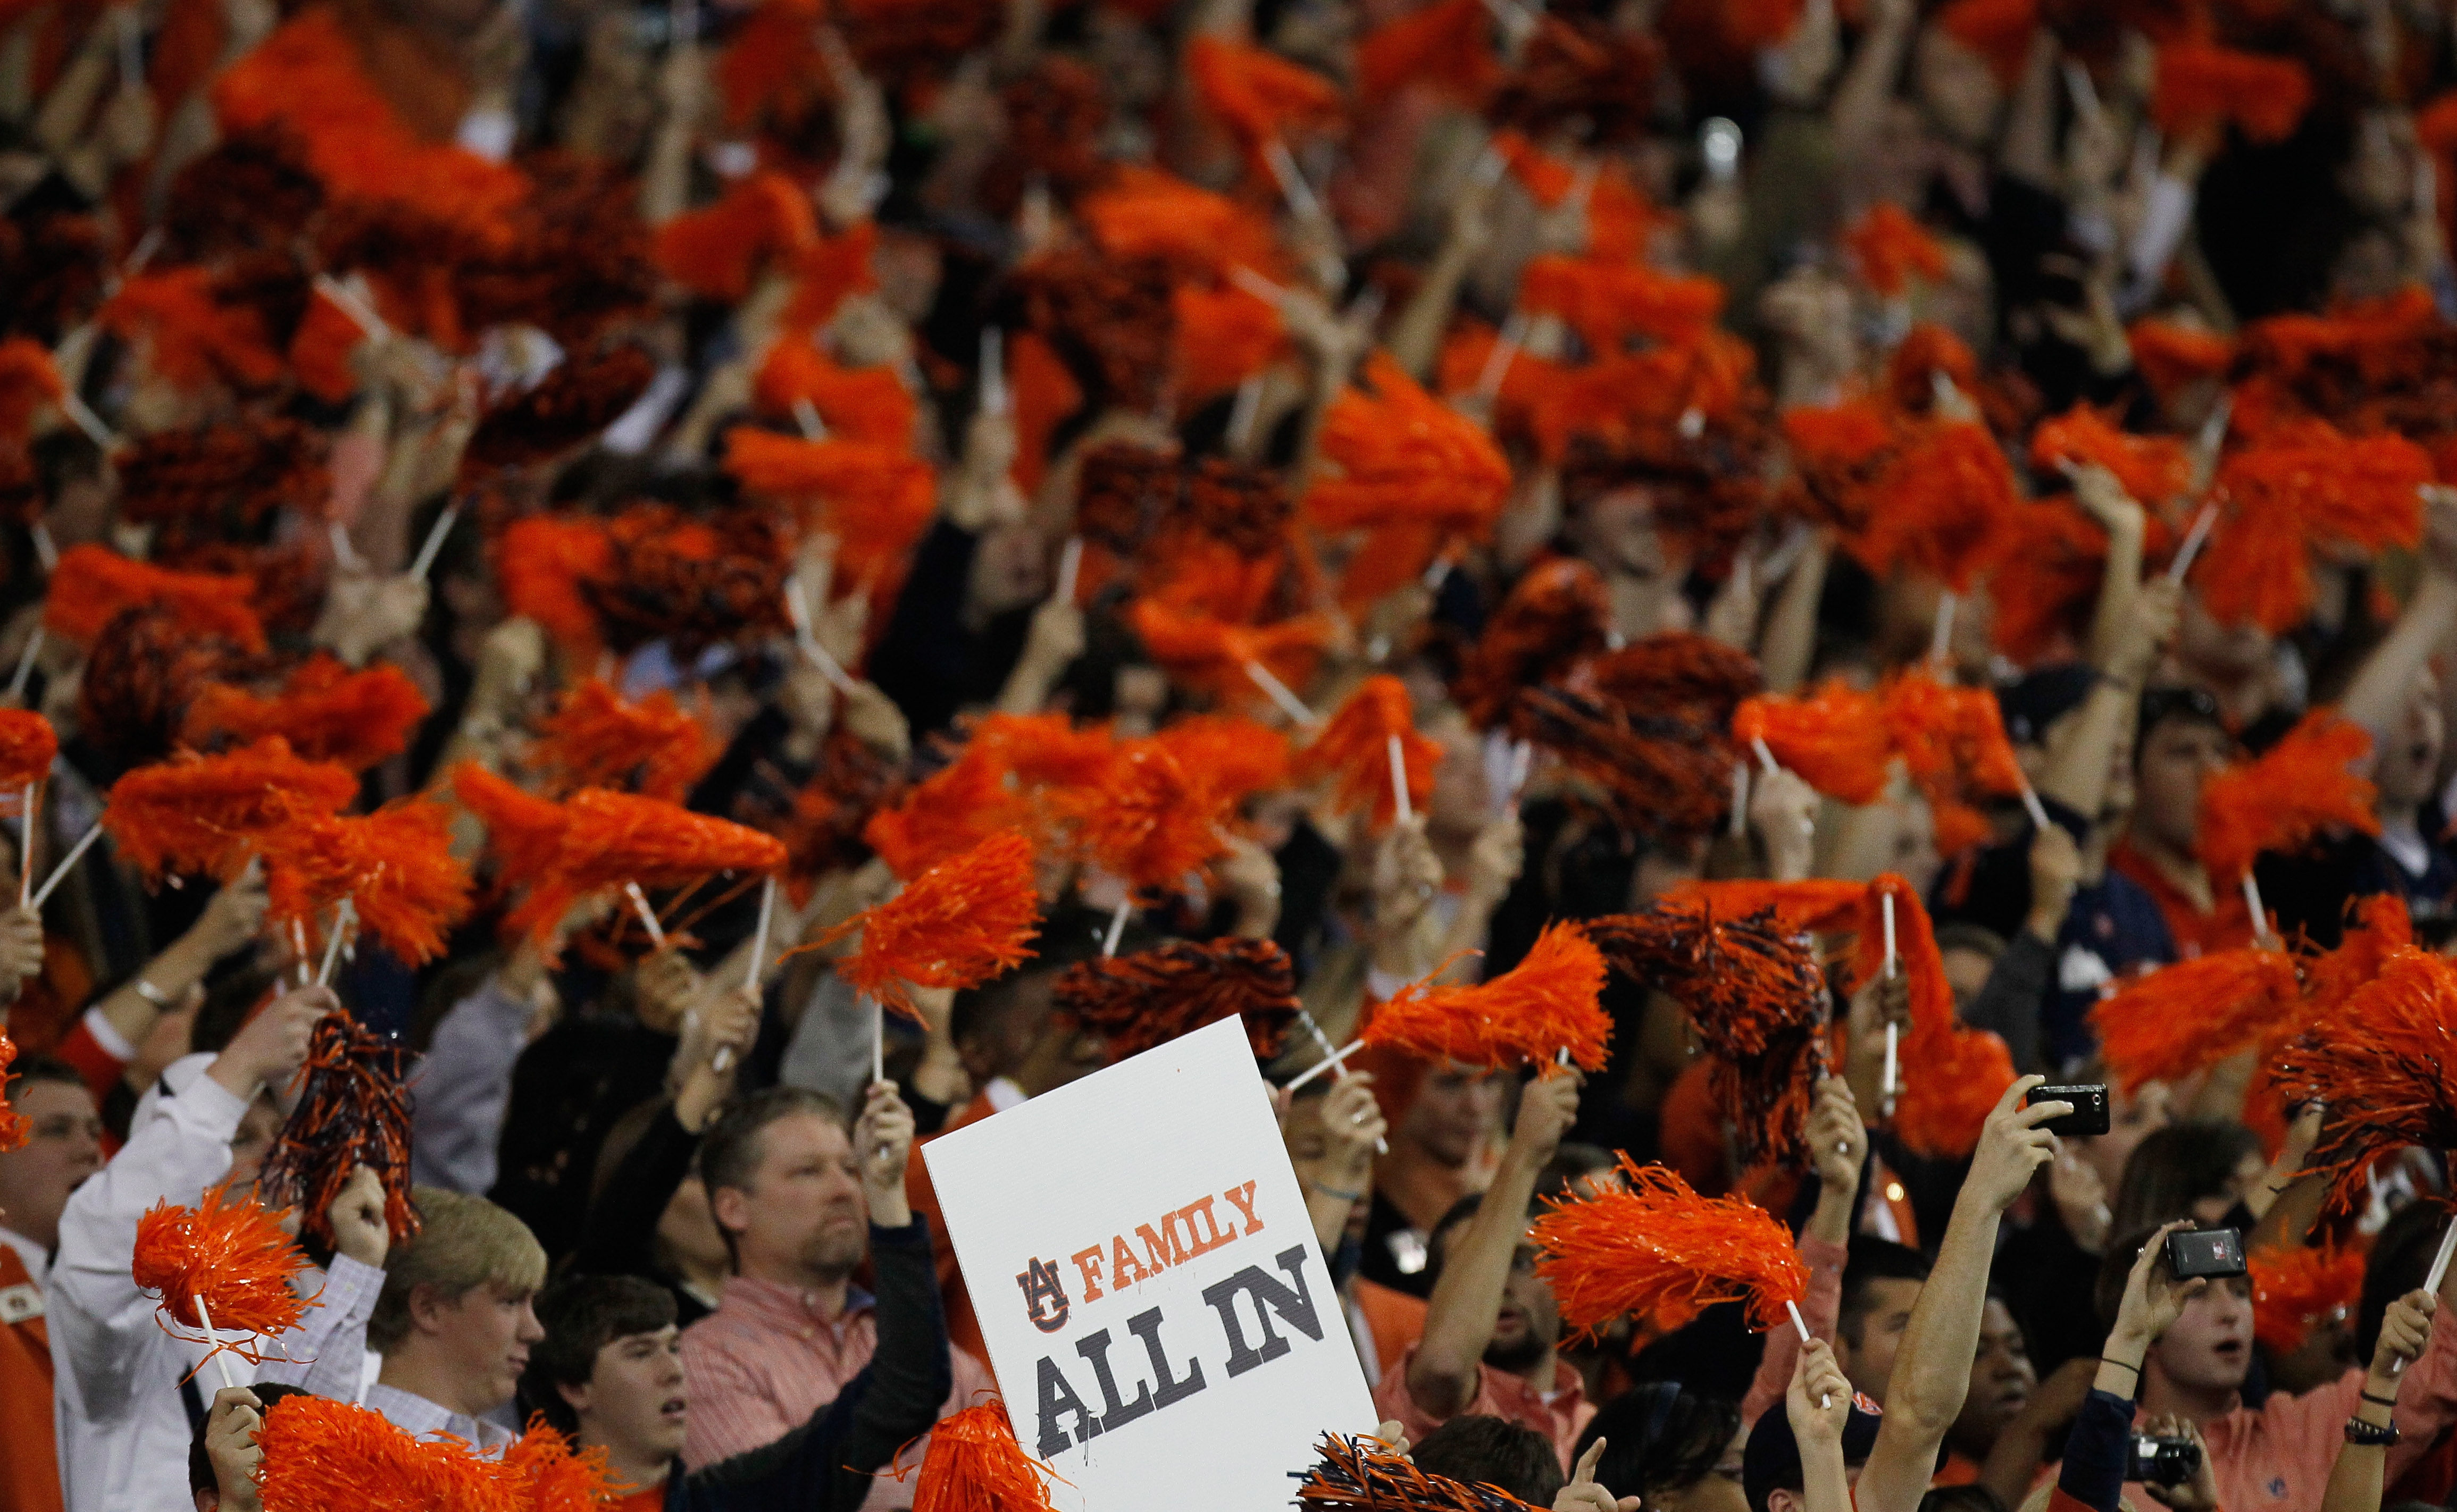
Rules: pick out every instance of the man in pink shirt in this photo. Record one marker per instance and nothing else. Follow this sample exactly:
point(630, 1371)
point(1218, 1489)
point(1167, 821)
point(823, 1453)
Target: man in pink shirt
point(1492, 1327)
point(795, 1196)
point(2276, 1457)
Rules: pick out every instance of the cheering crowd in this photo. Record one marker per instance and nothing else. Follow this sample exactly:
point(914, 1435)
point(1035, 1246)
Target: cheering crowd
point(1787, 655)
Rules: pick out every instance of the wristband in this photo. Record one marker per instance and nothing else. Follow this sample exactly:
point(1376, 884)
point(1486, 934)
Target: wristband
point(2120, 1364)
point(2370, 1435)
point(152, 993)
point(2378, 1401)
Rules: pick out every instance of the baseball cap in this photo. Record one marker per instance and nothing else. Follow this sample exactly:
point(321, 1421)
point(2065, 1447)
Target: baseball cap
point(1771, 1461)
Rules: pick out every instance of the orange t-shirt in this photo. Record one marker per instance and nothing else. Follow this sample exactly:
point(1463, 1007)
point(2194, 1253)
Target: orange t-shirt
point(30, 1472)
point(2226, 927)
point(652, 1499)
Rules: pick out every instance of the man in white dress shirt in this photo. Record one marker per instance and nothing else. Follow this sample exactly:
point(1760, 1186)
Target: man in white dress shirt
point(124, 1403)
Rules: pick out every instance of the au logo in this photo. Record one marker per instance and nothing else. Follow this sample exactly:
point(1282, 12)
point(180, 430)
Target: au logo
point(1044, 1299)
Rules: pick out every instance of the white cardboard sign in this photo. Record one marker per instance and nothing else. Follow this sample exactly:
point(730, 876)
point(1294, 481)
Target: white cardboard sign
point(1139, 1254)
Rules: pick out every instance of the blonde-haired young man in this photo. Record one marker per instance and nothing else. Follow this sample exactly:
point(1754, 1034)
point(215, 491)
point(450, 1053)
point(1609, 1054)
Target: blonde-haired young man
point(453, 1322)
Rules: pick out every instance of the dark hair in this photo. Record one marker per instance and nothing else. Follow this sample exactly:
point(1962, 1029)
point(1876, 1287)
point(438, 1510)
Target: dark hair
point(201, 1464)
point(42, 1067)
point(2401, 1260)
point(1659, 1436)
point(1874, 1260)
point(1488, 1451)
point(730, 1150)
point(2159, 705)
point(2174, 1167)
point(582, 1316)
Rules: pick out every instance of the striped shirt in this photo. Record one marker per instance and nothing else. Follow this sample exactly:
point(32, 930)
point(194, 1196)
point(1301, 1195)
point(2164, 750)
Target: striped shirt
point(770, 1357)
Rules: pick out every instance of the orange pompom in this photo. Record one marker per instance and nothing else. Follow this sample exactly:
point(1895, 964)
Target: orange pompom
point(319, 1454)
point(1211, 654)
point(28, 382)
point(1146, 213)
point(546, 1474)
point(1608, 303)
point(1135, 1002)
point(876, 500)
point(1402, 454)
point(523, 832)
point(27, 748)
point(869, 407)
point(322, 348)
point(192, 338)
point(1446, 46)
point(957, 808)
point(13, 1127)
point(2292, 1289)
point(2153, 469)
point(1548, 1003)
point(1951, 1083)
point(202, 813)
point(826, 275)
point(1150, 820)
point(1547, 179)
point(2381, 1064)
point(1998, 31)
point(324, 711)
point(1259, 96)
point(2171, 356)
point(1224, 335)
point(2046, 582)
point(2300, 487)
point(1663, 776)
point(1953, 742)
point(1841, 451)
point(94, 584)
point(541, 564)
point(717, 251)
point(594, 738)
point(1649, 1247)
point(1353, 749)
point(2283, 799)
point(2381, 927)
point(1892, 247)
point(395, 866)
point(227, 1253)
point(1835, 739)
point(1233, 756)
point(2184, 1017)
point(973, 1464)
point(611, 839)
point(1555, 615)
point(958, 925)
point(2201, 84)
point(1942, 506)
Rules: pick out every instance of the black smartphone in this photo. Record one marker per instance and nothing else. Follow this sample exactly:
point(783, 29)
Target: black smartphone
point(2089, 1115)
point(2204, 1252)
point(2153, 1460)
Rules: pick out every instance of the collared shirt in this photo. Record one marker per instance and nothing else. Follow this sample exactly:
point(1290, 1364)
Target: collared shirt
point(416, 1416)
point(1559, 1415)
point(121, 1426)
point(767, 1357)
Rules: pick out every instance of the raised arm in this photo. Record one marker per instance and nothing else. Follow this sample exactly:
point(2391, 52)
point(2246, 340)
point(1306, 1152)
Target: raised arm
point(1443, 1375)
point(1932, 1366)
point(2376, 699)
point(1838, 1143)
point(2362, 1470)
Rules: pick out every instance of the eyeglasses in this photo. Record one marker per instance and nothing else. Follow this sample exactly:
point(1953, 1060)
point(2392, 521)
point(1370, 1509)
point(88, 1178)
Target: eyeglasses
point(2178, 703)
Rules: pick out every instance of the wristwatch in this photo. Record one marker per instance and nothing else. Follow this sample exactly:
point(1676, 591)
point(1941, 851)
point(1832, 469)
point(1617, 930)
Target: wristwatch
point(2370, 1435)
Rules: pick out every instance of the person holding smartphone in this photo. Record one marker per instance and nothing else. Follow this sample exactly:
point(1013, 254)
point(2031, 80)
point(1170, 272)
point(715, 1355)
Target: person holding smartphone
point(2175, 1359)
